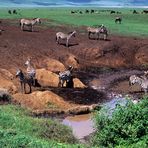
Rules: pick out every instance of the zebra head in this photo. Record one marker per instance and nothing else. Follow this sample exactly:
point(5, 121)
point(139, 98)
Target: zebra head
point(132, 80)
point(38, 20)
point(18, 72)
point(135, 79)
point(73, 33)
point(28, 62)
point(70, 68)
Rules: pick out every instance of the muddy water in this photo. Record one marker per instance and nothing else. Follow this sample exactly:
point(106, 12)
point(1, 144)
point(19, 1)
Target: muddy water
point(82, 125)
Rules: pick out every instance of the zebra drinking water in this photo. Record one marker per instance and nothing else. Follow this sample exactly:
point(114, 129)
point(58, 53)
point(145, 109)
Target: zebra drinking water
point(30, 23)
point(31, 72)
point(65, 76)
point(24, 80)
point(63, 36)
point(143, 82)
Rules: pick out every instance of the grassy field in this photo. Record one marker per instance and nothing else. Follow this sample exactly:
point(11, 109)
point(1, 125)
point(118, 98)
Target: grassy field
point(18, 129)
point(132, 25)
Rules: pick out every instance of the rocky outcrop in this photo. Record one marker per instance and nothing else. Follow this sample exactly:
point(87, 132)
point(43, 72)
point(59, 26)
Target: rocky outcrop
point(47, 78)
point(39, 100)
point(53, 65)
point(6, 81)
point(73, 61)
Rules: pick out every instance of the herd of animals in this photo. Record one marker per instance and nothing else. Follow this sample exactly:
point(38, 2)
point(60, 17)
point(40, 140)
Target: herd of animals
point(66, 76)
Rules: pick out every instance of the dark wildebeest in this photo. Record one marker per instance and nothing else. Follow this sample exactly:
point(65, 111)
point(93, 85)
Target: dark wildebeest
point(14, 11)
point(118, 19)
point(72, 12)
point(112, 12)
point(145, 11)
point(135, 12)
point(9, 11)
point(92, 11)
point(86, 11)
point(80, 12)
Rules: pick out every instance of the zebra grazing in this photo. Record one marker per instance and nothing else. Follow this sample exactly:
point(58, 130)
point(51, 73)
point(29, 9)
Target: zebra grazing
point(118, 20)
point(143, 82)
point(29, 23)
point(31, 72)
point(98, 31)
point(65, 76)
point(63, 36)
point(23, 81)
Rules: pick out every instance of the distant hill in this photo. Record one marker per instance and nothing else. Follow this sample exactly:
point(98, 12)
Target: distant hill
point(44, 3)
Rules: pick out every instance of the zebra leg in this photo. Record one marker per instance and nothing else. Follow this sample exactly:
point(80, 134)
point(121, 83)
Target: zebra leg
point(57, 40)
point(67, 43)
point(89, 35)
point(59, 84)
point(22, 27)
point(21, 87)
point(31, 28)
point(98, 36)
point(30, 88)
point(145, 90)
point(25, 88)
point(104, 36)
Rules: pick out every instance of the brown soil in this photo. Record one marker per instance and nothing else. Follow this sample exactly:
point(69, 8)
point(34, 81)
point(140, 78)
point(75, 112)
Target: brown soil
point(116, 52)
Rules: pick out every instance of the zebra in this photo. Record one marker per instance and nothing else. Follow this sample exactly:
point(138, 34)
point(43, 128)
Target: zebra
point(31, 72)
point(65, 76)
point(100, 30)
point(24, 80)
point(143, 82)
point(63, 36)
point(30, 23)
point(118, 19)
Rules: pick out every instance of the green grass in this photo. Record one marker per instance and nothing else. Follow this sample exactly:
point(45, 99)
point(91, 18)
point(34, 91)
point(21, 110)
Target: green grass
point(18, 129)
point(133, 24)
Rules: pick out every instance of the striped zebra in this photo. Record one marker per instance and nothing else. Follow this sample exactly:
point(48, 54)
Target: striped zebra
point(65, 76)
point(24, 80)
point(31, 72)
point(63, 36)
point(143, 82)
point(100, 30)
point(30, 23)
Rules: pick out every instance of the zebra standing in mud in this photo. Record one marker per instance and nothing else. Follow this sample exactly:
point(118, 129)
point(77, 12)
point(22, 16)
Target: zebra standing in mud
point(24, 80)
point(63, 36)
point(100, 30)
point(30, 23)
point(142, 81)
point(31, 72)
point(65, 76)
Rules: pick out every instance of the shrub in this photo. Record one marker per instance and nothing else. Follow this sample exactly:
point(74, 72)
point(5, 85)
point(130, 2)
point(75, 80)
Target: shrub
point(128, 126)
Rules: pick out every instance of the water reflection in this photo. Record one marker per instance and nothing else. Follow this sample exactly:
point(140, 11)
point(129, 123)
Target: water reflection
point(82, 125)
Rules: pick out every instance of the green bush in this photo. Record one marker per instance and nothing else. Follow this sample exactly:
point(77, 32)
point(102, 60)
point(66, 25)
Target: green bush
point(127, 127)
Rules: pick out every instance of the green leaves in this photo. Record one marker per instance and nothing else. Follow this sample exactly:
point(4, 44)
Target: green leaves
point(128, 125)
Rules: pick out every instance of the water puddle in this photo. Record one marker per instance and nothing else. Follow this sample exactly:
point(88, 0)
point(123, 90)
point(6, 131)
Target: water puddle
point(82, 125)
